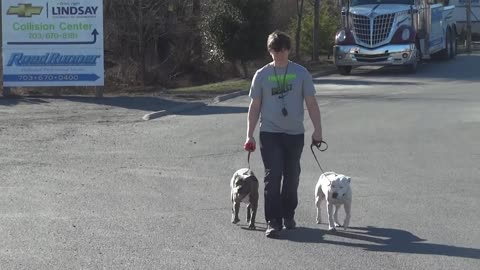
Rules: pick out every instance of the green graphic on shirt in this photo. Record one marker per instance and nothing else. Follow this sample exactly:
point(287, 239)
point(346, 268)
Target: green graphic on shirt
point(282, 87)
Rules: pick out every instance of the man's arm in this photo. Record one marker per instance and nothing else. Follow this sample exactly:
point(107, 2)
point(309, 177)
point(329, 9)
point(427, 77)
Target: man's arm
point(314, 113)
point(253, 115)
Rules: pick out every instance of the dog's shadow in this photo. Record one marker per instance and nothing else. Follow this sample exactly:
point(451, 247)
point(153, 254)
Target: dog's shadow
point(380, 240)
point(261, 228)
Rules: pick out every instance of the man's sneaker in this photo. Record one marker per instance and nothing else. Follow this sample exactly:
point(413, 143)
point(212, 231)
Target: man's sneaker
point(273, 229)
point(289, 224)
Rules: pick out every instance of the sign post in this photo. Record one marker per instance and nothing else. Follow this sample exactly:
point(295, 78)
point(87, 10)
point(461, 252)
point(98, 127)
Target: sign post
point(52, 43)
point(6, 91)
point(469, 26)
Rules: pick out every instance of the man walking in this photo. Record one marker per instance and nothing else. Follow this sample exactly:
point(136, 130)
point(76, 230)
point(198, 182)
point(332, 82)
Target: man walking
point(277, 94)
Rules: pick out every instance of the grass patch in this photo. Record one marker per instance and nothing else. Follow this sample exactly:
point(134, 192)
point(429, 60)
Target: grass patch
point(215, 88)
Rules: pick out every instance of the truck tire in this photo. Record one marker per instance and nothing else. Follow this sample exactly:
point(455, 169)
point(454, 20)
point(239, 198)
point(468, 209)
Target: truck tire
point(446, 53)
point(411, 68)
point(453, 46)
point(344, 70)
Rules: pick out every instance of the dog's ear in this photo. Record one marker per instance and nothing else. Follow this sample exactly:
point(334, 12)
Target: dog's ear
point(349, 179)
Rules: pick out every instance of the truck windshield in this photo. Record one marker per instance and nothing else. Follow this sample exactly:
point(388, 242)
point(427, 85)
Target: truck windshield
point(369, 2)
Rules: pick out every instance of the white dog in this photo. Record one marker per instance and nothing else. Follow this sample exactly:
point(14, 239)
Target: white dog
point(335, 188)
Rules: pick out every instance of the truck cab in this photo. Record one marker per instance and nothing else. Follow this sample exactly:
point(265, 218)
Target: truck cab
point(394, 32)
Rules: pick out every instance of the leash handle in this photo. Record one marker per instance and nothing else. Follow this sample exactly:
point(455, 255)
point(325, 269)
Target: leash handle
point(318, 145)
point(250, 147)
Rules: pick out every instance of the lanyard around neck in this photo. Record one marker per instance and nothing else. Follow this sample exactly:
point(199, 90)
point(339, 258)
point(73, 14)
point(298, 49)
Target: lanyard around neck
point(284, 79)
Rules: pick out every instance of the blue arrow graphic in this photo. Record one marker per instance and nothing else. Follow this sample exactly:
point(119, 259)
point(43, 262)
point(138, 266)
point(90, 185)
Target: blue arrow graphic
point(94, 34)
point(50, 77)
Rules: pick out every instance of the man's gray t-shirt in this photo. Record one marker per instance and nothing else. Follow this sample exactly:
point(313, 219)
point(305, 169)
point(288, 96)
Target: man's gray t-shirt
point(268, 83)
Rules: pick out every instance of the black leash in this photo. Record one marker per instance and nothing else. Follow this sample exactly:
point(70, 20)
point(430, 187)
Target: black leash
point(314, 143)
point(318, 144)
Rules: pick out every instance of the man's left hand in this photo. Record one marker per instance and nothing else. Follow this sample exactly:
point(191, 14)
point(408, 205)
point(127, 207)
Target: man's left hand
point(317, 136)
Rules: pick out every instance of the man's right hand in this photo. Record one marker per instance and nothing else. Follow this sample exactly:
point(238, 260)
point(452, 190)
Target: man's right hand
point(250, 145)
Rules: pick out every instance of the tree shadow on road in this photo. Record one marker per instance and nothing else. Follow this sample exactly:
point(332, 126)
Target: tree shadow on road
point(353, 82)
point(154, 104)
point(16, 100)
point(209, 110)
point(380, 240)
point(142, 103)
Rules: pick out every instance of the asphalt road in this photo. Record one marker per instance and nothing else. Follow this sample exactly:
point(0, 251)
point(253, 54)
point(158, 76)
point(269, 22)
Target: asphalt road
point(85, 183)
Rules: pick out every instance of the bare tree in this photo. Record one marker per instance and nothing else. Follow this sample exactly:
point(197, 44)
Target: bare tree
point(197, 40)
point(136, 24)
point(316, 25)
point(299, 28)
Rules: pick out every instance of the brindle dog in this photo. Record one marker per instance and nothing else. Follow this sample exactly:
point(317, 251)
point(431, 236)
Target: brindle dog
point(244, 188)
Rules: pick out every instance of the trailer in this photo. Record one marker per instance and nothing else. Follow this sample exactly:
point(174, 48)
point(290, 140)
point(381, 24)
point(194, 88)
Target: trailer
point(394, 32)
point(460, 17)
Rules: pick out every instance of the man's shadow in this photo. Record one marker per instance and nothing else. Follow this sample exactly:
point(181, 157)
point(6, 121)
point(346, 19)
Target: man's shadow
point(380, 239)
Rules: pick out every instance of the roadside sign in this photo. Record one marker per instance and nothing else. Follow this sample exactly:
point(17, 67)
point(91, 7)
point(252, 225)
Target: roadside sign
point(52, 43)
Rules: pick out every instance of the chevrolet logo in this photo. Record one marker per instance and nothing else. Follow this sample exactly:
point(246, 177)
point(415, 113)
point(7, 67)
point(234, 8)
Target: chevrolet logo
point(24, 10)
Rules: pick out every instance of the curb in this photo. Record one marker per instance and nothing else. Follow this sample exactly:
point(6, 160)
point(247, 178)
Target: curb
point(190, 106)
point(230, 95)
point(175, 110)
point(329, 71)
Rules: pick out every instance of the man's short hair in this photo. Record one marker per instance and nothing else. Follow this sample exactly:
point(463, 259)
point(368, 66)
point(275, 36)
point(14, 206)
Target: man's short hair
point(278, 41)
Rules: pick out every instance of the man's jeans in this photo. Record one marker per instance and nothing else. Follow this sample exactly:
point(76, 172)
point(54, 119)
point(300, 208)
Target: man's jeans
point(281, 157)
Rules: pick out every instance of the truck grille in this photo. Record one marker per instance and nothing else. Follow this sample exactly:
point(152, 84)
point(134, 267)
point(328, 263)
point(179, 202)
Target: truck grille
point(374, 31)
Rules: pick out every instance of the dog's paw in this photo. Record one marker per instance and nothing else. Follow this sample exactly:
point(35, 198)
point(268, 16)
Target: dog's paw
point(332, 229)
point(235, 220)
point(337, 224)
point(319, 221)
point(251, 227)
